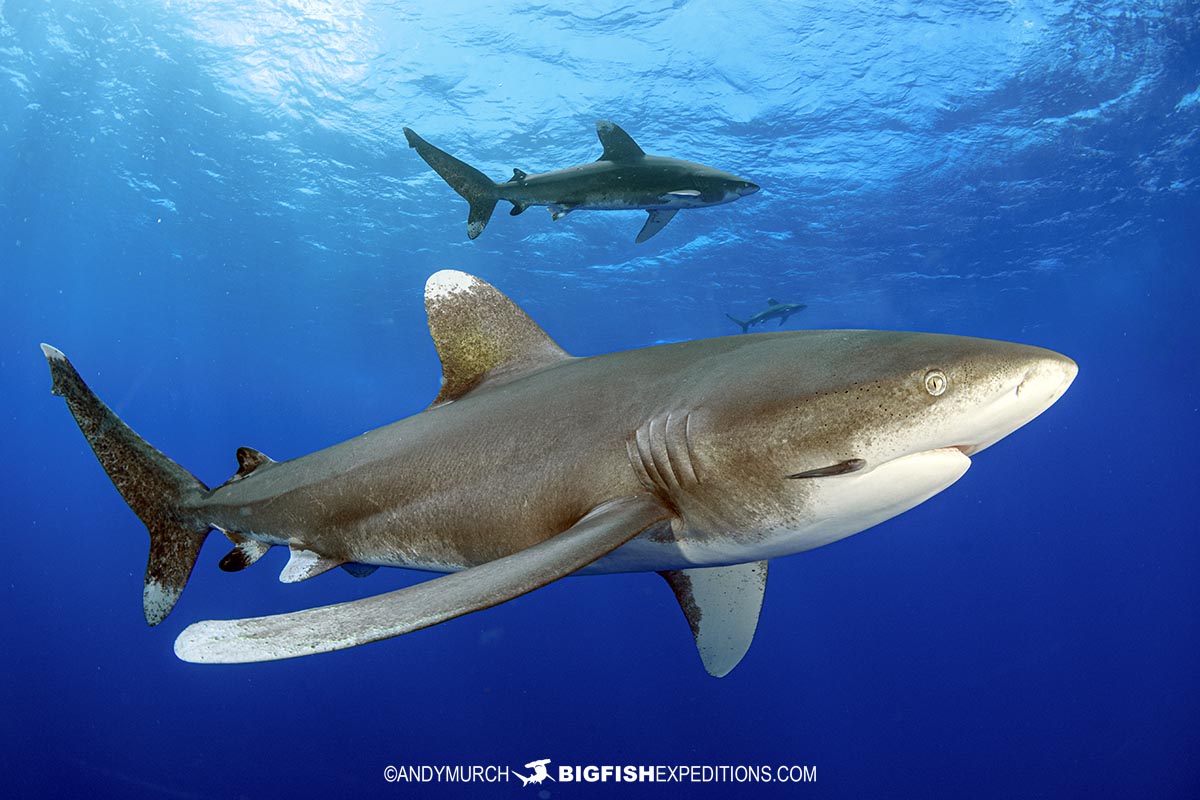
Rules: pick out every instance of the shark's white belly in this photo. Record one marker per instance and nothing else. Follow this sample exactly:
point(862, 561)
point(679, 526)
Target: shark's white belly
point(842, 506)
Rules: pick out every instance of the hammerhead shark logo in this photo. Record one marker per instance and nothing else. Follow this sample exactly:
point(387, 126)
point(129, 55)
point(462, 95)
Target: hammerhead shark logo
point(539, 773)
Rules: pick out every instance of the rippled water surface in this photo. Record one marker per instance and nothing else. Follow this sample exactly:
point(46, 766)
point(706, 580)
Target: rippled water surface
point(209, 205)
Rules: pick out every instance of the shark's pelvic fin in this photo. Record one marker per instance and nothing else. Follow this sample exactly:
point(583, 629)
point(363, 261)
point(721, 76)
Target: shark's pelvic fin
point(658, 219)
point(336, 627)
point(472, 185)
point(721, 605)
point(159, 491)
point(482, 336)
point(304, 564)
point(359, 570)
point(618, 145)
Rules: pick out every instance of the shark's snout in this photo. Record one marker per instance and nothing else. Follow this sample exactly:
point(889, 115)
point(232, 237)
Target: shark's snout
point(747, 188)
point(1034, 386)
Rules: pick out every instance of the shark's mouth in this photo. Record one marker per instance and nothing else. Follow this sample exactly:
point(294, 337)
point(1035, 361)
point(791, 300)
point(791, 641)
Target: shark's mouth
point(855, 464)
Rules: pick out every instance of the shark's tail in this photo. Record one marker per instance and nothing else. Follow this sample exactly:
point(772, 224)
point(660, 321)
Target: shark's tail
point(162, 493)
point(476, 188)
point(745, 325)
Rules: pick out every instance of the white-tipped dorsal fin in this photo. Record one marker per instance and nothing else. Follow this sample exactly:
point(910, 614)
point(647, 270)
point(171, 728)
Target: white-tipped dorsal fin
point(305, 564)
point(721, 605)
point(618, 145)
point(481, 335)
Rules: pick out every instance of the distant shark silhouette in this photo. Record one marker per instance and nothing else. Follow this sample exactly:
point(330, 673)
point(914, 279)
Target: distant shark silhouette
point(624, 177)
point(699, 460)
point(774, 310)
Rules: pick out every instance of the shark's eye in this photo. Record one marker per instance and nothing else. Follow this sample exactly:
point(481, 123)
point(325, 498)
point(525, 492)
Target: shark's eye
point(936, 382)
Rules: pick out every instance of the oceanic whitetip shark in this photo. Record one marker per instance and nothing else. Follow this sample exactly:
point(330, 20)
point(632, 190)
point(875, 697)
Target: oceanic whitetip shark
point(623, 178)
point(700, 460)
point(774, 310)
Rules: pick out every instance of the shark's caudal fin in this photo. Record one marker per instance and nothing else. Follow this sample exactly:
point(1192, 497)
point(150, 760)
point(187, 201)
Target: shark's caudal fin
point(158, 490)
point(745, 325)
point(472, 185)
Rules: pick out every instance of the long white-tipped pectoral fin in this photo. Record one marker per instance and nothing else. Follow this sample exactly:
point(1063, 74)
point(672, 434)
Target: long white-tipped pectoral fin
point(721, 605)
point(336, 627)
point(658, 219)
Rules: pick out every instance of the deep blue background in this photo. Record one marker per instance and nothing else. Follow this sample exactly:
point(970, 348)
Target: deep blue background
point(210, 208)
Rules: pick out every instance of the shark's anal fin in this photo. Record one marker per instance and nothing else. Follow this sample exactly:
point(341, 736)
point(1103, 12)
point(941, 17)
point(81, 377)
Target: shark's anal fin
point(657, 220)
point(244, 553)
point(482, 336)
point(721, 605)
point(336, 627)
point(618, 145)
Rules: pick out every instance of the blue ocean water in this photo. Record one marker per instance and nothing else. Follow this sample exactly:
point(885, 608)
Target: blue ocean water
point(210, 207)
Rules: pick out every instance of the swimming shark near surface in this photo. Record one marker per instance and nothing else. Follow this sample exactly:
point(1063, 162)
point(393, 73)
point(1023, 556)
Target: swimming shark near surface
point(774, 310)
point(623, 178)
point(699, 460)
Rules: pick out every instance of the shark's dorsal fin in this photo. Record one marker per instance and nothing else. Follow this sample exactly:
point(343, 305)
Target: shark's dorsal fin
point(771, 301)
point(618, 145)
point(482, 336)
point(250, 459)
point(721, 605)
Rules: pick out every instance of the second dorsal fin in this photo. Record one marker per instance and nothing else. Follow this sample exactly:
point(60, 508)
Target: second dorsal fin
point(481, 335)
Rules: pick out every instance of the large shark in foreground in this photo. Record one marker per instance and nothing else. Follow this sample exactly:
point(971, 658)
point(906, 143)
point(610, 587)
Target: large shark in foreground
point(699, 460)
point(623, 178)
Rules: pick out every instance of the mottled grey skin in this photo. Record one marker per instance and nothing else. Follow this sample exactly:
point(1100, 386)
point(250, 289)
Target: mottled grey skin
point(623, 178)
point(385, 497)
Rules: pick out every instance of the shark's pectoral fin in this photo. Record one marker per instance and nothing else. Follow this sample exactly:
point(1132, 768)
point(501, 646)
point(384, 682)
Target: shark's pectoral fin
point(657, 220)
point(305, 564)
point(721, 605)
point(336, 627)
